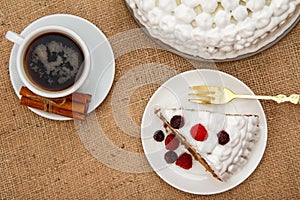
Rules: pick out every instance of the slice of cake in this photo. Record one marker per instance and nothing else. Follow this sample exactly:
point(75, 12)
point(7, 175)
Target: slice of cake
point(222, 143)
point(216, 29)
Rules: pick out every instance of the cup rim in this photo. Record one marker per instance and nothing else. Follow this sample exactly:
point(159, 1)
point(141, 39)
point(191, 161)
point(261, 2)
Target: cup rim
point(54, 29)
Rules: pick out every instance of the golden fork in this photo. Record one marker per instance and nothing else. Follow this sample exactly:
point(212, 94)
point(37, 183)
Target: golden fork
point(221, 95)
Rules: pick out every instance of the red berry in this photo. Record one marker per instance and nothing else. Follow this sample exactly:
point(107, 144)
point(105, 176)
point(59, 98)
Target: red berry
point(184, 161)
point(171, 142)
point(199, 132)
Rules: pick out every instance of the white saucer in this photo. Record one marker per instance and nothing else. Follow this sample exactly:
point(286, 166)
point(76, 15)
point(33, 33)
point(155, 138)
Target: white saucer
point(102, 71)
point(174, 93)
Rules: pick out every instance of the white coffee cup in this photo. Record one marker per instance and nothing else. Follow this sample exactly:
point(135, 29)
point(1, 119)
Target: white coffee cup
point(23, 42)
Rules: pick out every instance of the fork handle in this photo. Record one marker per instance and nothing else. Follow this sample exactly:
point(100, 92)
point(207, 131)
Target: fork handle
point(294, 98)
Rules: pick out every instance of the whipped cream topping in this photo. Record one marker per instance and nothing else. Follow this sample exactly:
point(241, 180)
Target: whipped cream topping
point(225, 160)
point(249, 21)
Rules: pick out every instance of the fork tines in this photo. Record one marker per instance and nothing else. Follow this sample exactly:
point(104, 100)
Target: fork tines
point(204, 94)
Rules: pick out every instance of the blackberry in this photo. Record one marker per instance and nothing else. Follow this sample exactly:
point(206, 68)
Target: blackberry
point(171, 157)
point(223, 137)
point(159, 136)
point(177, 121)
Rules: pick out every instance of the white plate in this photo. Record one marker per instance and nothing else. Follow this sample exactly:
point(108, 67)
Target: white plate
point(174, 93)
point(102, 72)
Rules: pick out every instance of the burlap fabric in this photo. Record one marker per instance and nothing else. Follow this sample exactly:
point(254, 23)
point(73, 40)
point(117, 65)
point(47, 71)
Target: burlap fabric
point(47, 159)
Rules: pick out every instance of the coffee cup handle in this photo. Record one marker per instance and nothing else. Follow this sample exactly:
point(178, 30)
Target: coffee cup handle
point(14, 37)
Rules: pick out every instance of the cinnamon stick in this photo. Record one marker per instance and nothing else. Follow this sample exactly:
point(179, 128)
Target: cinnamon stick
point(51, 109)
point(74, 105)
point(74, 97)
point(80, 98)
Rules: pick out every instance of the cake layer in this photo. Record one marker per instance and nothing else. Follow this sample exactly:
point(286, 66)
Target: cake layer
point(224, 141)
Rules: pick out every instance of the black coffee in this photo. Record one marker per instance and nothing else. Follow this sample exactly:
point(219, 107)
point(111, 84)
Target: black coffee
point(53, 61)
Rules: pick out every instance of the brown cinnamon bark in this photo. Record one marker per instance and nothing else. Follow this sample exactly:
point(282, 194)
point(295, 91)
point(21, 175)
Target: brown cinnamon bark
point(80, 98)
point(75, 97)
point(54, 109)
point(74, 105)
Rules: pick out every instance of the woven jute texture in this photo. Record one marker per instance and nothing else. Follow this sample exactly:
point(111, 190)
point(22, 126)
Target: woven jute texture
point(102, 157)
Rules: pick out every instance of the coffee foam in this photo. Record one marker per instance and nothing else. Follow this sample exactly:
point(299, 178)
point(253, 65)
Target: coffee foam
point(58, 67)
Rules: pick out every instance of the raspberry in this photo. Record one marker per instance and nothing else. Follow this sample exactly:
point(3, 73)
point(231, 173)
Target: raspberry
point(223, 137)
point(184, 161)
point(171, 142)
point(159, 136)
point(199, 132)
point(177, 121)
point(171, 157)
